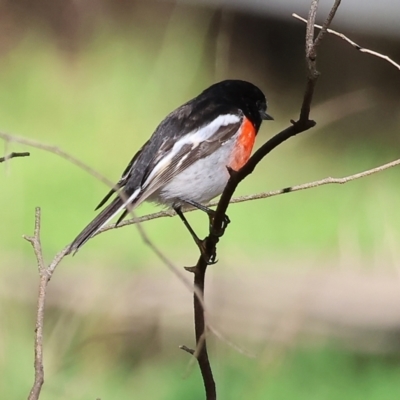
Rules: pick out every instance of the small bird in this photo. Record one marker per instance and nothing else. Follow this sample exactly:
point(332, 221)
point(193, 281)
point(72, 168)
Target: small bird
point(186, 162)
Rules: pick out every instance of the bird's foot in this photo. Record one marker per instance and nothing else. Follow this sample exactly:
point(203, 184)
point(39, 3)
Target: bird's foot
point(219, 232)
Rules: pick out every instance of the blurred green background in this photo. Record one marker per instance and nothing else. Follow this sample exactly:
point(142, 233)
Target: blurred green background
point(307, 282)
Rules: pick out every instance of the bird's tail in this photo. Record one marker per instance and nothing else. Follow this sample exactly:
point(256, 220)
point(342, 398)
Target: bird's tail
point(104, 216)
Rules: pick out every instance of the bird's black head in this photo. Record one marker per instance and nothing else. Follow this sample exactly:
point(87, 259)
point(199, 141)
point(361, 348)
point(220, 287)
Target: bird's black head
point(243, 95)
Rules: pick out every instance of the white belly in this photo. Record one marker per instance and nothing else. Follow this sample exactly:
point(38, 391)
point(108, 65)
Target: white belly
point(200, 182)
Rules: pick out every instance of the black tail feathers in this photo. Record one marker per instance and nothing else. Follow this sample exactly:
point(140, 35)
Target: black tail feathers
point(95, 225)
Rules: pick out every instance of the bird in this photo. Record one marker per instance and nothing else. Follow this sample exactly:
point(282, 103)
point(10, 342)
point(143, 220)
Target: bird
point(188, 159)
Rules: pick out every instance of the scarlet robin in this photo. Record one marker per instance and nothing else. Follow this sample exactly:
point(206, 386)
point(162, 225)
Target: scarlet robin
point(187, 159)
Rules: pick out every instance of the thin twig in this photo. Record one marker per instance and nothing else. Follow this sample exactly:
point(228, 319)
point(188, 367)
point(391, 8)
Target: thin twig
point(187, 349)
point(44, 279)
point(311, 55)
point(14, 155)
point(354, 44)
point(309, 42)
point(326, 24)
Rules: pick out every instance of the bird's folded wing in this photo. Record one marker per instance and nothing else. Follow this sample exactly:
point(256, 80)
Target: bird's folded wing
point(186, 151)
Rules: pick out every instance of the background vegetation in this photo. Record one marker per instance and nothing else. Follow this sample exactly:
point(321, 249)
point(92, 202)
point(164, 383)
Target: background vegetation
point(99, 96)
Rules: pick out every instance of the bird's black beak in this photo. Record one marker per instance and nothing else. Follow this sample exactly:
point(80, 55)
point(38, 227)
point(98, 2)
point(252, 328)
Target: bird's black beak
point(266, 116)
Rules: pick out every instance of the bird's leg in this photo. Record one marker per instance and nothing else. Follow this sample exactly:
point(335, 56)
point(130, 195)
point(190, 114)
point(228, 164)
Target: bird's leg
point(211, 215)
point(200, 243)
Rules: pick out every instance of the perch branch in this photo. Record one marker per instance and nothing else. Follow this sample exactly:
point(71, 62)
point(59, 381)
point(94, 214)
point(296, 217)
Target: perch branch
point(210, 243)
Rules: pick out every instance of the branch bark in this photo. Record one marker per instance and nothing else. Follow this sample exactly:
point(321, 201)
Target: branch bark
point(45, 274)
point(44, 279)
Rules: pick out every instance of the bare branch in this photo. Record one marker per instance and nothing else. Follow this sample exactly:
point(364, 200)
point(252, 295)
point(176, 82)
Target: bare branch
point(354, 44)
point(309, 42)
point(187, 349)
point(44, 279)
point(327, 23)
point(311, 56)
point(14, 155)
